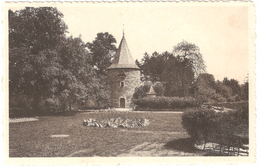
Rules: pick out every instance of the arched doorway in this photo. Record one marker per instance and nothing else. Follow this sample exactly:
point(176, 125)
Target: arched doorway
point(122, 102)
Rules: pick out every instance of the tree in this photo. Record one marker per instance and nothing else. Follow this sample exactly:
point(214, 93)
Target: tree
point(72, 79)
point(36, 28)
point(205, 87)
point(103, 50)
point(153, 66)
point(245, 89)
point(223, 90)
point(233, 84)
point(190, 57)
point(188, 52)
point(177, 78)
point(46, 66)
point(31, 31)
point(176, 75)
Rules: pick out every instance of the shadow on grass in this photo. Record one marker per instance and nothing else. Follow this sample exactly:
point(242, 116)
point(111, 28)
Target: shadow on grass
point(182, 144)
point(21, 113)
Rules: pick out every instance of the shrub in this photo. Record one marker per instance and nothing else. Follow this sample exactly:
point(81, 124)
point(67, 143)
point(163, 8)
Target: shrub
point(198, 123)
point(20, 101)
point(141, 91)
point(205, 124)
point(161, 102)
point(219, 98)
point(90, 104)
point(244, 112)
point(20, 106)
point(158, 88)
point(52, 104)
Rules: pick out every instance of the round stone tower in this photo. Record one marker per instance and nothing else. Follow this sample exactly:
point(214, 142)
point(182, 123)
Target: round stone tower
point(123, 76)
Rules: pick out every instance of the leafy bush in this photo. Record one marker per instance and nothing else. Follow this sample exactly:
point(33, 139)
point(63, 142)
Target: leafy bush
point(205, 124)
point(90, 104)
point(141, 91)
point(219, 98)
point(20, 101)
point(162, 102)
point(52, 104)
point(198, 123)
point(20, 106)
point(158, 88)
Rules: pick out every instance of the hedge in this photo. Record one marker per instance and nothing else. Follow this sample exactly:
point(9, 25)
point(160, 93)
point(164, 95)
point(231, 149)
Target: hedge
point(205, 125)
point(161, 102)
point(199, 123)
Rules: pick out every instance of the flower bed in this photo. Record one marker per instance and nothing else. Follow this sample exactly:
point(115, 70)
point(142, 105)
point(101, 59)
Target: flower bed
point(116, 122)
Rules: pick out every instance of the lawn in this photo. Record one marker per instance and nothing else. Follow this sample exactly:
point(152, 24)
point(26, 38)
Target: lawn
point(32, 139)
point(233, 105)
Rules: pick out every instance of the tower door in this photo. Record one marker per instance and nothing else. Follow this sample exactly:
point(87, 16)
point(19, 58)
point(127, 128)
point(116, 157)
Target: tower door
point(122, 102)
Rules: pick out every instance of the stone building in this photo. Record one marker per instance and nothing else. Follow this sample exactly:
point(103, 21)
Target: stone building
point(123, 76)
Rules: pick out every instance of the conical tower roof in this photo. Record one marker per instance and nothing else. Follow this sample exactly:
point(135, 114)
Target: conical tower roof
point(123, 57)
point(151, 92)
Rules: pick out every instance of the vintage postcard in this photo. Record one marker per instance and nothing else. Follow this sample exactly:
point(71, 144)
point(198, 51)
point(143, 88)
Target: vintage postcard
point(129, 83)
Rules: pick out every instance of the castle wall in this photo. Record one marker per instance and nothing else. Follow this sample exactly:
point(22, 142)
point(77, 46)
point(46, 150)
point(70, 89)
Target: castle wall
point(131, 81)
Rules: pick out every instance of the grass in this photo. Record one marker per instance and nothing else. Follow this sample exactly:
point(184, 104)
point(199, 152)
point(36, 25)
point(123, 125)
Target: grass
point(233, 105)
point(32, 139)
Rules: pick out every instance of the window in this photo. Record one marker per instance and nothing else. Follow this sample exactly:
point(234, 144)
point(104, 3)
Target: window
point(121, 74)
point(122, 84)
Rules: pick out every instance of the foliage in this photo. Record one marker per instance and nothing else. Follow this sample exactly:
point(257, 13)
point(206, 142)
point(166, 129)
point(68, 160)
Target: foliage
point(245, 91)
point(189, 52)
point(90, 104)
point(20, 101)
point(224, 90)
point(31, 31)
point(198, 123)
point(45, 65)
point(52, 104)
point(153, 66)
point(103, 50)
point(177, 71)
point(204, 87)
point(36, 28)
point(178, 77)
point(141, 91)
point(158, 88)
point(205, 124)
point(219, 98)
point(161, 102)
point(233, 84)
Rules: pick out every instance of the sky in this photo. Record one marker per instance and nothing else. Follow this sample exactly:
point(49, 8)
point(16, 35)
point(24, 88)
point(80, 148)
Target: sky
point(221, 32)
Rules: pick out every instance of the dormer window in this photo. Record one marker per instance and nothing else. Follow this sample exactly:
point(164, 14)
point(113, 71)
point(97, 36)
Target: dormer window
point(121, 74)
point(122, 84)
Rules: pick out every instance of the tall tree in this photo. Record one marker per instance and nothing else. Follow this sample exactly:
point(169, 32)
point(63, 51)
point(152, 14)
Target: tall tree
point(205, 87)
point(103, 50)
point(31, 31)
point(153, 66)
point(223, 90)
point(73, 78)
point(233, 84)
point(189, 56)
point(178, 77)
point(36, 28)
point(189, 52)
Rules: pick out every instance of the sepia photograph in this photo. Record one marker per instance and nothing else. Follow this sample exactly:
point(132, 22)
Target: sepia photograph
point(124, 80)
